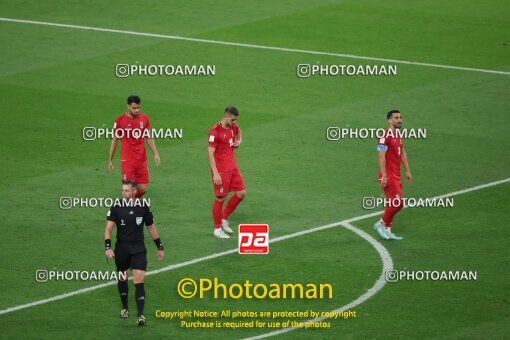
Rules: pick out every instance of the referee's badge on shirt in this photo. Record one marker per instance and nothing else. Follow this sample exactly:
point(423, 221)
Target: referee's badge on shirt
point(139, 220)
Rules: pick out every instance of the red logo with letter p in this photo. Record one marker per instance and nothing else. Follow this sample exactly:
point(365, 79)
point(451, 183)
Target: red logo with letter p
point(253, 239)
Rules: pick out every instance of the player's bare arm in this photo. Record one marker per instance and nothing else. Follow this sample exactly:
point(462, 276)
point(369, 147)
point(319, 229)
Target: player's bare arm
point(212, 164)
point(108, 239)
point(113, 147)
point(405, 163)
point(155, 237)
point(239, 138)
point(152, 146)
point(381, 158)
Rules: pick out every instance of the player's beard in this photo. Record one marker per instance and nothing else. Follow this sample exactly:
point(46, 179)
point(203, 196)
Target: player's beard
point(134, 114)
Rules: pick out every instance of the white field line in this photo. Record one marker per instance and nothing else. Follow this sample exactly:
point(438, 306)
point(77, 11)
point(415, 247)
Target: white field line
point(262, 47)
point(379, 284)
point(383, 253)
point(343, 223)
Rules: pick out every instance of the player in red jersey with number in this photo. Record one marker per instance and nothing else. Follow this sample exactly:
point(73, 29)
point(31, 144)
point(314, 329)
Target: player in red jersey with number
point(130, 128)
point(390, 154)
point(224, 137)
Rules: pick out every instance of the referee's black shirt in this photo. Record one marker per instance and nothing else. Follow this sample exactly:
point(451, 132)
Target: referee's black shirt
point(130, 221)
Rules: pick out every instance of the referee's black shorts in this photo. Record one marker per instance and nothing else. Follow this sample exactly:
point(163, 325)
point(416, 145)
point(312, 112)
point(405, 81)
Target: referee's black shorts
point(132, 256)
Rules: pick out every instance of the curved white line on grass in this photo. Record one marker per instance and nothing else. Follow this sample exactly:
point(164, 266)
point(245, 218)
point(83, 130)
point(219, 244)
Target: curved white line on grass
point(262, 47)
point(379, 284)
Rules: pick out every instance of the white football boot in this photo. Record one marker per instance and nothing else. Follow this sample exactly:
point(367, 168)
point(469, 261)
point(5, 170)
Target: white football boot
point(225, 226)
point(219, 233)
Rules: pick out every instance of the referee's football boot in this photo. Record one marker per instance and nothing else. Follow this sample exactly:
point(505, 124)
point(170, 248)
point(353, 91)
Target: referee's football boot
point(141, 320)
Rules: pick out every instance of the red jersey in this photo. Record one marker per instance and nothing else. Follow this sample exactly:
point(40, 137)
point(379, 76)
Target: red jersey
point(132, 142)
point(223, 140)
point(393, 147)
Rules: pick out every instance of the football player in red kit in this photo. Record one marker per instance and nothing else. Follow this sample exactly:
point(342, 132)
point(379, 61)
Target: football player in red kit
point(224, 137)
point(130, 128)
point(390, 154)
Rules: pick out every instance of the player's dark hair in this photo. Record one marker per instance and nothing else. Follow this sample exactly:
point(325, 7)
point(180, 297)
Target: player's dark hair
point(232, 110)
point(391, 113)
point(133, 99)
point(133, 184)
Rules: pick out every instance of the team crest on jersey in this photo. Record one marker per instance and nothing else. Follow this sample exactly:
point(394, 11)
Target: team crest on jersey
point(139, 220)
point(141, 125)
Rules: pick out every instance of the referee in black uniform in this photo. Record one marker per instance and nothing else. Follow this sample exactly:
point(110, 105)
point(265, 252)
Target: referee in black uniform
point(130, 252)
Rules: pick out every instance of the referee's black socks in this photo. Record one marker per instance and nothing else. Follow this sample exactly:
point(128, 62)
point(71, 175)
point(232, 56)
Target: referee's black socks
point(140, 297)
point(123, 292)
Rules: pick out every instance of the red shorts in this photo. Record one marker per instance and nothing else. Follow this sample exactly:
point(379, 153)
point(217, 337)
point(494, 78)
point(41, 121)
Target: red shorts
point(138, 172)
point(230, 181)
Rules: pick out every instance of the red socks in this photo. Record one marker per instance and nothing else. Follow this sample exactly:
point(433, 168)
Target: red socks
point(232, 204)
point(389, 214)
point(217, 213)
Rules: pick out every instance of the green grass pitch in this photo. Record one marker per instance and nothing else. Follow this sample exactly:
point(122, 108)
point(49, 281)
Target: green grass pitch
point(54, 81)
